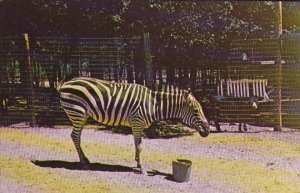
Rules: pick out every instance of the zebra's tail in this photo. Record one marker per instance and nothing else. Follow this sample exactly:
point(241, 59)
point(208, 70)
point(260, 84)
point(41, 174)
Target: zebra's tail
point(63, 80)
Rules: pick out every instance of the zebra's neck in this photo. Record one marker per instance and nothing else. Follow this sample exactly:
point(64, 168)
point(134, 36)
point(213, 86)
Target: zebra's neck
point(168, 105)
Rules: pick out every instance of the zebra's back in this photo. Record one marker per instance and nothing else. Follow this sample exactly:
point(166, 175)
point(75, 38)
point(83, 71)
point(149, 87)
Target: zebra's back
point(107, 102)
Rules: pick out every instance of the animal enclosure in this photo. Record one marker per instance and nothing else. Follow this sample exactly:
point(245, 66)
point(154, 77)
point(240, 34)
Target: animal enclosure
point(226, 88)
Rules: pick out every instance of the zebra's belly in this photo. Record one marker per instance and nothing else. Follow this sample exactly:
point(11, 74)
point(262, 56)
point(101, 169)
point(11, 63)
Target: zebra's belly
point(113, 121)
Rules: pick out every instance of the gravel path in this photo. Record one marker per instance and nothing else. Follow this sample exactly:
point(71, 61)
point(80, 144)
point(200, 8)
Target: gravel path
point(251, 155)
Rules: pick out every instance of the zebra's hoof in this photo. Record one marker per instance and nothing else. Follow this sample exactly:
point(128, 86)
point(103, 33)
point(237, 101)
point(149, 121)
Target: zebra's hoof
point(143, 171)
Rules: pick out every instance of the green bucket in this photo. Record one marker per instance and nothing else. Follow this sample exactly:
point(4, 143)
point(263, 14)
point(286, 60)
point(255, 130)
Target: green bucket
point(182, 169)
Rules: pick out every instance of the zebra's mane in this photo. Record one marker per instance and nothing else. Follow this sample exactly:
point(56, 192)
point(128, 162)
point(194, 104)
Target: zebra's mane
point(172, 89)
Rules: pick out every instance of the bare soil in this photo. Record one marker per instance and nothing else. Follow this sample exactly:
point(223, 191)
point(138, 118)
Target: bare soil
point(44, 160)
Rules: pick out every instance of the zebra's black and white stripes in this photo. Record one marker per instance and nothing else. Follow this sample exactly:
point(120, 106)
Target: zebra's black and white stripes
point(125, 104)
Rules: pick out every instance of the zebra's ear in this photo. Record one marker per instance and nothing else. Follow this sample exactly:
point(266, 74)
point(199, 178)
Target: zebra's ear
point(189, 91)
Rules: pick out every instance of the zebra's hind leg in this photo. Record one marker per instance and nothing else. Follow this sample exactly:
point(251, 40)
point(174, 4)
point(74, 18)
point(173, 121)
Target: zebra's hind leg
point(242, 127)
point(78, 121)
point(218, 127)
point(76, 137)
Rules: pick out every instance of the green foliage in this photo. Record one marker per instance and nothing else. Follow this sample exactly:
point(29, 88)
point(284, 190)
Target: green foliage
point(206, 26)
point(13, 69)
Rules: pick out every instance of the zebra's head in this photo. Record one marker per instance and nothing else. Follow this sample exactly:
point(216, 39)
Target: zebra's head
point(194, 116)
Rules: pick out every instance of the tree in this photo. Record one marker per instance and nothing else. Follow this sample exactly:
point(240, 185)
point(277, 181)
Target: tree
point(201, 29)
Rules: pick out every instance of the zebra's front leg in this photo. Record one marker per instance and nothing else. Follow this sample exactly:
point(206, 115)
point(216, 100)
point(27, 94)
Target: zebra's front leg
point(245, 127)
point(76, 135)
point(138, 149)
point(137, 133)
point(240, 127)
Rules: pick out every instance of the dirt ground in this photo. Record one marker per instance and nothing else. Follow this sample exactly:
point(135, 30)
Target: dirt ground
point(45, 160)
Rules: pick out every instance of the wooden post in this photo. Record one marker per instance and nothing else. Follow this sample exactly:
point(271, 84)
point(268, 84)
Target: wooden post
point(278, 64)
point(228, 87)
point(29, 64)
point(2, 62)
point(148, 61)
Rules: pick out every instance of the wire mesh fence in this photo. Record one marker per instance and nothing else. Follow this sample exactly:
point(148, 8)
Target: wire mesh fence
point(50, 59)
point(227, 89)
point(252, 76)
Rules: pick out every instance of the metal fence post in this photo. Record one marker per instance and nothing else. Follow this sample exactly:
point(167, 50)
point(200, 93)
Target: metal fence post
point(32, 95)
point(278, 64)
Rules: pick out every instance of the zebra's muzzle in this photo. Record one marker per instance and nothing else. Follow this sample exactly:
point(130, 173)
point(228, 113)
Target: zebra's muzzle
point(204, 130)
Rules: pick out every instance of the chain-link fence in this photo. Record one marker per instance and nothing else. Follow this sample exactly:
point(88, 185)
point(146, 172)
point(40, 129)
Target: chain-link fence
point(227, 89)
point(253, 75)
point(30, 75)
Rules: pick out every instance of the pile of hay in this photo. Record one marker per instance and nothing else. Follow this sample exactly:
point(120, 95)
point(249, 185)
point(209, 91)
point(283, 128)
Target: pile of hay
point(161, 129)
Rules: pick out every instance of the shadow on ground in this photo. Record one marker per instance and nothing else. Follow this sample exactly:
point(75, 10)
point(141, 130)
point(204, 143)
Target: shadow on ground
point(166, 175)
point(77, 166)
point(234, 132)
point(96, 167)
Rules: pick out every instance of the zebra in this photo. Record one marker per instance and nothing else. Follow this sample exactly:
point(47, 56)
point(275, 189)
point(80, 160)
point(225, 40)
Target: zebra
point(126, 104)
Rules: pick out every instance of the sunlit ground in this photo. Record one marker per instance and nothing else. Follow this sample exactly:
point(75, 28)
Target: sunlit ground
point(224, 162)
